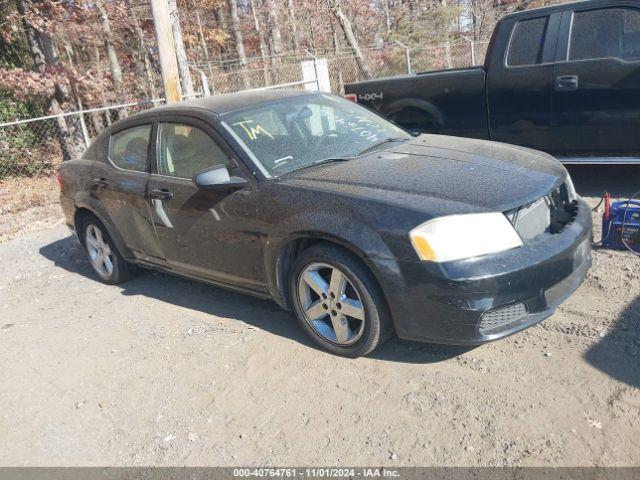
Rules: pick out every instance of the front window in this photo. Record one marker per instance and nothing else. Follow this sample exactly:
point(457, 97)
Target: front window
point(290, 134)
point(184, 150)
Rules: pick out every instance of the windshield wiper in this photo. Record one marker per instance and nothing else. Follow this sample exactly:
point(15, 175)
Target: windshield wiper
point(323, 160)
point(380, 143)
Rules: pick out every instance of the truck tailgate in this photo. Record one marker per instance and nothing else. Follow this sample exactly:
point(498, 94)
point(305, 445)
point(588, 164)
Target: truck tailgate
point(449, 102)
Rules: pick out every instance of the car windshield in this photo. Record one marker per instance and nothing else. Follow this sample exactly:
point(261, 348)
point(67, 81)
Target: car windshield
point(294, 133)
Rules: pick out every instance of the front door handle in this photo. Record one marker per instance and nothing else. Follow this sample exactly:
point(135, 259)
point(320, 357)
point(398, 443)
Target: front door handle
point(101, 182)
point(566, 83)
point(161, 194)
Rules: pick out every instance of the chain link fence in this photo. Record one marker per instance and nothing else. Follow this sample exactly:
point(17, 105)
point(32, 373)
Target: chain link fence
point(36, 146)
point(384, 61)
point(31, 149)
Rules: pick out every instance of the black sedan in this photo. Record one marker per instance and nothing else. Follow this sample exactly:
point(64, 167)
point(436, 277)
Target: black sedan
point(359, 228)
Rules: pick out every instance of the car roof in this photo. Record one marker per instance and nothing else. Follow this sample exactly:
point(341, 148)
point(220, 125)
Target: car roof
point(225, 102)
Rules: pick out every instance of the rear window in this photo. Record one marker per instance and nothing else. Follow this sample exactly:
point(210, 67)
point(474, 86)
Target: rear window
point(606, 33)
point(527, 42)
point(128, 148)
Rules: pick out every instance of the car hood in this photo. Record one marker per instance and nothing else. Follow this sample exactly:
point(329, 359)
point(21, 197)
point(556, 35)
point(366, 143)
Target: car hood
point(475, 175)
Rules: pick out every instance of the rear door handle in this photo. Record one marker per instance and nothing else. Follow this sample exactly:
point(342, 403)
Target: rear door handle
point(161, 194)
point(566, 83)
point(101, 182)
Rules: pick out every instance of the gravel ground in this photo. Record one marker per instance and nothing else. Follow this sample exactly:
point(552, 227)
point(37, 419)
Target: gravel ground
point(164, 371)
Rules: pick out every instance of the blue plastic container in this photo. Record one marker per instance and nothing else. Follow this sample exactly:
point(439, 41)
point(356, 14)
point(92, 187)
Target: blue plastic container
point(627, 212)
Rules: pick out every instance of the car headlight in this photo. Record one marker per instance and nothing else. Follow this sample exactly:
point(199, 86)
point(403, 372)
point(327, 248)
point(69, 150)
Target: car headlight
point(455, 237)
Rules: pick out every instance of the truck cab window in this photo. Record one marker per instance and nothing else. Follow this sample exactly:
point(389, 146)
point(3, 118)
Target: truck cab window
point(606, 33)
point(527, 42)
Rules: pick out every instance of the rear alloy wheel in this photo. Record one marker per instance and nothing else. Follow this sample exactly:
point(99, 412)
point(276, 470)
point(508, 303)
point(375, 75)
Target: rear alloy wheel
point(99, 251)
point(102, 253)
point(338, 302)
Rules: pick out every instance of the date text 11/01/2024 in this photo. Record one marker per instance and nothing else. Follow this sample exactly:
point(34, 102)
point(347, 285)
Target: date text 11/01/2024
point(316, 472)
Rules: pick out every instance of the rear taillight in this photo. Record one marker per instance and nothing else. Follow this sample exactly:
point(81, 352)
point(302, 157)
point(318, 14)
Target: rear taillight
point(351, 96)
point(59, 178)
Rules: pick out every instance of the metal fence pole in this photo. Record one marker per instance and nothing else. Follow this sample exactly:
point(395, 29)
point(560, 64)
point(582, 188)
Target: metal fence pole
point(85, 132)
point(315, 68)
point(407, 54)
point(205, 83)
point(472, 46)
point(473, 53)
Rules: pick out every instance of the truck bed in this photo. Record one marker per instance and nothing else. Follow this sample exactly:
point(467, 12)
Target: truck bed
point(450, 102)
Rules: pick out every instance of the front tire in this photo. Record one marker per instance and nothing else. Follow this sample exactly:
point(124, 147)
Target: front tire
point(102, 253)
point(338, 301)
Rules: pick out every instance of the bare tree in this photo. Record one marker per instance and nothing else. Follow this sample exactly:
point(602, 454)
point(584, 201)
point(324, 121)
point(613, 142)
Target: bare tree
point(261, 41)
point(387, 15)
point(273, 27)
point(238, 39)
point(181, 53)
point(203, 42)
point(293, 25)
point(43, 55)
point(143, 50)
point(221, 21)
point(352, 41)
point(447, 43)
point(105, 26)
point(523, 5)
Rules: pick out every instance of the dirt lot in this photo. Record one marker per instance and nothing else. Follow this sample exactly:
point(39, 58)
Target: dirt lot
point(164, 371)
point(27, 205)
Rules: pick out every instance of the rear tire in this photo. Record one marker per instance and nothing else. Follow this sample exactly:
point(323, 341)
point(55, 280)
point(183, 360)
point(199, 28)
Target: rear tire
point(338, 302)
point(102, 252)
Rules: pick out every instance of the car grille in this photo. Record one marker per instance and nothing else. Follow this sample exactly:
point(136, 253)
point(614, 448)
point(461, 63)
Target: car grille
point(494, 319)
point(547, 215)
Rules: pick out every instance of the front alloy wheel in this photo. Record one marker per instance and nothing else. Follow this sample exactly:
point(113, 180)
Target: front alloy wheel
point(330, 304)
point(338, 301)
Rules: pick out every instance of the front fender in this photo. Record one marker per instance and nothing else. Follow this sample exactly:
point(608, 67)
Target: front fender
point(352, 234)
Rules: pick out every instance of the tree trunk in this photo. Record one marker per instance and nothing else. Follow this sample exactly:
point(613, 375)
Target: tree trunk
point(387, 15)
point(523, 5)
point(181, 53)
point(203, 42)
point(273, 27)
point(43, 55)
point(221, 21)
point(263, 45)
point(35, 48)
point(413, 16)
point(447, 43)
point(293, 26)
point(336, 48)
point(239, 41)
point(144, 52)
point(345, 24)
point(105, 26)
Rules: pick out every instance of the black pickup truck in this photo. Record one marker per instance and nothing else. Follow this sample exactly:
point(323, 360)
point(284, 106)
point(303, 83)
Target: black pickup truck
point(562, 79)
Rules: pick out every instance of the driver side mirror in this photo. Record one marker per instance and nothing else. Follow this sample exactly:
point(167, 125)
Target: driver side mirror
point(218, 178)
